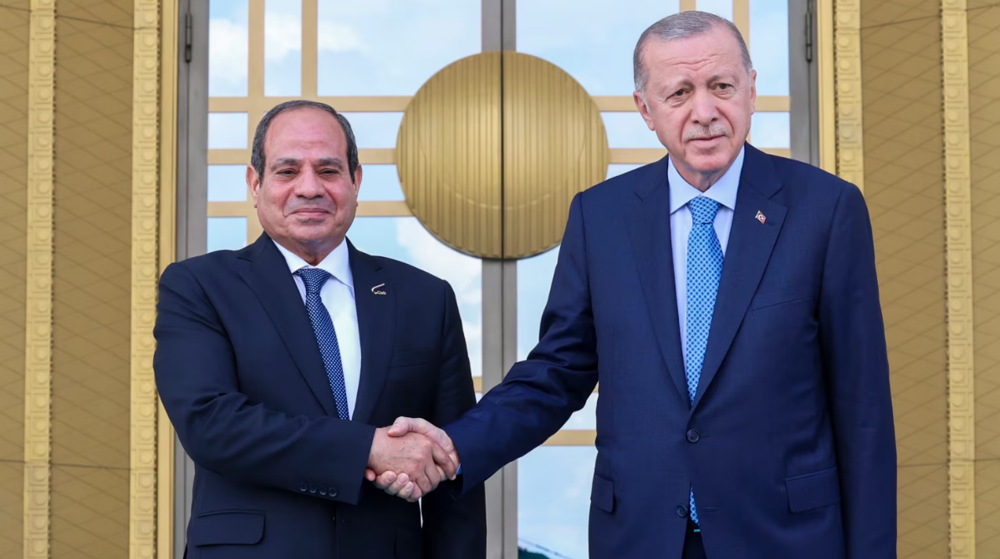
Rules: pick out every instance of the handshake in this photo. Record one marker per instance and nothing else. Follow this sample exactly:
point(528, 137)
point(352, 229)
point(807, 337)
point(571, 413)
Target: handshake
point(410, 458)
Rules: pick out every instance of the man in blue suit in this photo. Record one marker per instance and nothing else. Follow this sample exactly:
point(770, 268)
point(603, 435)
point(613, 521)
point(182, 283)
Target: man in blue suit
point(277, 363)
point(728, 304)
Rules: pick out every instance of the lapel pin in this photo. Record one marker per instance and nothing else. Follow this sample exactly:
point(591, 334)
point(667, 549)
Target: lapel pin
point(378, 291)
point(760, 217)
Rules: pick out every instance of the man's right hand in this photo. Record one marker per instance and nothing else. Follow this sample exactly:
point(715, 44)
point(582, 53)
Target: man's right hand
point(401, 484)
point(412, 459)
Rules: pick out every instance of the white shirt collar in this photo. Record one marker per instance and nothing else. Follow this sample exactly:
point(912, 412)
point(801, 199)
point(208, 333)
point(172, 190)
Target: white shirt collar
point(723, 191)
point(337, 263)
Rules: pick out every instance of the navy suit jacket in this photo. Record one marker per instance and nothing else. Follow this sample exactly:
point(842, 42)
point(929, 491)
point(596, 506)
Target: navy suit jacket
point(277, 473)
point(789, 442)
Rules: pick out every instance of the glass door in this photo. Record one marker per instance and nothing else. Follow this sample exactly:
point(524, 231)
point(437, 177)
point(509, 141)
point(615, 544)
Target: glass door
point(369, 60)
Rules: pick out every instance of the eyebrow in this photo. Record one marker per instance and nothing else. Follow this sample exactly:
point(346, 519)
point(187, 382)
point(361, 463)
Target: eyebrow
point(330, 162)
point(322, 162)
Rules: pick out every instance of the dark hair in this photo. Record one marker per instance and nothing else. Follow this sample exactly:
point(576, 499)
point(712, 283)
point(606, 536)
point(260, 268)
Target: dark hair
point(257, 153)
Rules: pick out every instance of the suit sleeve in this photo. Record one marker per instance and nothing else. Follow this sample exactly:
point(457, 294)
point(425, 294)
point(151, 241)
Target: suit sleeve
point(221, 429)
point(857, 376)
point(454, 525)
point(539, 394)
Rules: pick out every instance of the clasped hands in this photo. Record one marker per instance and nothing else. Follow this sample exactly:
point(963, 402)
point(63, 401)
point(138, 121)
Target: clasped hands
point(410, 458)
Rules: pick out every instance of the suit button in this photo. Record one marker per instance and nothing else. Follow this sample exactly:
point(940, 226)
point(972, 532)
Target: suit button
point(334, 518)
point(693, 436)
point(682, 511)
point(333, 491)
point(322, 491)
point(312, 488)
point(303, 488)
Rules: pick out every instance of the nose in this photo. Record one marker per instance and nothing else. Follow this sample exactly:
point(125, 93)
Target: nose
point(308, 185)
point(704, 111)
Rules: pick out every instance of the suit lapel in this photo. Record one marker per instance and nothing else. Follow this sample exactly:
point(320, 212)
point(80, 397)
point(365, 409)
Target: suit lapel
point(265, 270)
point(650, 232)
point(376, 325)
point(748, 251)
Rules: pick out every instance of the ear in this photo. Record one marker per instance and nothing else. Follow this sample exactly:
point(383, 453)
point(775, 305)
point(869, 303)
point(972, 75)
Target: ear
point(753, 91)
point(253, 183)
point(357, 181)
point(643, 108)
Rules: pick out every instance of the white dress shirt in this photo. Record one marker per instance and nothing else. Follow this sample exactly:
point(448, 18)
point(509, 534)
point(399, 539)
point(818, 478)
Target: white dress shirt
point(681, 192)
point(338, 298)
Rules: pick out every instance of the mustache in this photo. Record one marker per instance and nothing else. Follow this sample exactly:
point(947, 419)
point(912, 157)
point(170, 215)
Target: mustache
point(297, 205)
point(706, 132)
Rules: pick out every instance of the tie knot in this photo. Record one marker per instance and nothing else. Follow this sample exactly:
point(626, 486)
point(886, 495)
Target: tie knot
point(703, 210)
point(314, 278)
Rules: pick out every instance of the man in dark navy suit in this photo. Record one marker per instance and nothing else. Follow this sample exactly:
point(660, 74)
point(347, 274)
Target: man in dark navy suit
point(728, 304)
point(277, 364)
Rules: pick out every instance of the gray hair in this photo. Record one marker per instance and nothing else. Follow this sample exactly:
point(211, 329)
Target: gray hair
point(257, 153)
point(682, 26)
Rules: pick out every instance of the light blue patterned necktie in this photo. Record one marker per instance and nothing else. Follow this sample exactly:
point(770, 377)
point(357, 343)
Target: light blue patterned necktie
point(704, 271)
point(326, 335)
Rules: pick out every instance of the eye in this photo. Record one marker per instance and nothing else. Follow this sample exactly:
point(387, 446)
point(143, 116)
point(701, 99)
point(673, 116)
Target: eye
point(724, 86)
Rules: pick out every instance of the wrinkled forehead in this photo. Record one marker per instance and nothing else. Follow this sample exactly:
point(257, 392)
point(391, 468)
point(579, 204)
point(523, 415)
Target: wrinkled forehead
point(713, 52)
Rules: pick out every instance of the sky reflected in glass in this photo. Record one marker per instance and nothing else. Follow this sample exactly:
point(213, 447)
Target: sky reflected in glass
point(553, 496)
point(283, 48)
point(387, 47)
point(226, 233)
point(588, 39)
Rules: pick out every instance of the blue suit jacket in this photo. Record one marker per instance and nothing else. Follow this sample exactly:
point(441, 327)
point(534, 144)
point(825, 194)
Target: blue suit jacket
point(277, 473)
point(789, 443)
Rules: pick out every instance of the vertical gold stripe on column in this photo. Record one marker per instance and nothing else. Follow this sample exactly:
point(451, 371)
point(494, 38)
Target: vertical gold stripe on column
point(167, 246)
point(741, 18)
point(255, 91)
point(958, 225)
point(255, 52)
point(688, 5)
point(847, 56)
point(38, 320)
point(145, 136)
point(310, 48)
point(827, 86)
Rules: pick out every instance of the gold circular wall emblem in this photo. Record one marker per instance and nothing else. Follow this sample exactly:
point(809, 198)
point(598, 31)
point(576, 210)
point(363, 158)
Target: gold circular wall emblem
point(492, 149)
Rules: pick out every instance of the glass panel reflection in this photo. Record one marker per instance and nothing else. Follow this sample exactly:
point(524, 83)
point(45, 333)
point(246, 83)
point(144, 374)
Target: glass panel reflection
point(552, 517)
point(380, 183)
point(770, 130)
point(226, 233)
point(404, 239)
point(586, 418)
point(375, 130)
point(629, 130)
point(534, 278)
point(228, 39)
point(227, 183)
point(283, 48)
point(594, 39)
point(227, 130)
point(379, 47)
point(769, 45)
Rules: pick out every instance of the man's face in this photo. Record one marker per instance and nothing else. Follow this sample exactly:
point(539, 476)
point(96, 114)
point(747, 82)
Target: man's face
point(699, 100)
point(306, 199)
